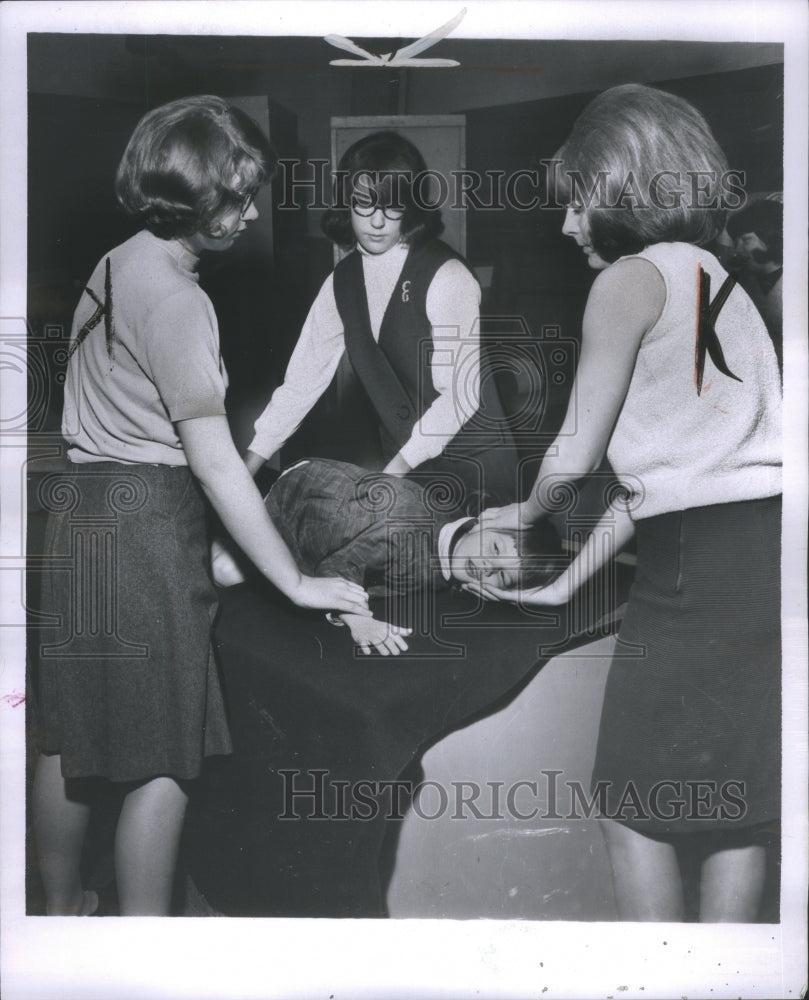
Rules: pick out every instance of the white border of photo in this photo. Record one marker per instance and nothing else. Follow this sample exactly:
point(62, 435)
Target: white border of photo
point(240, 958)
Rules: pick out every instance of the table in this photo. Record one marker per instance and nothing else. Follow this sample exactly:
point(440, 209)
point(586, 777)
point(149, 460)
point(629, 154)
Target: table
point(299, 821)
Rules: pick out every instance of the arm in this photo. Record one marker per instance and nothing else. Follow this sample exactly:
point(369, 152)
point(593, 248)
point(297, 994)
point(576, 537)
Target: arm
point(610, 535)
point(213, 459)
point(370, 633)
point(309, 373)
point(624, 303)
point(254, 461)
point(367, 632)
point(453, 302)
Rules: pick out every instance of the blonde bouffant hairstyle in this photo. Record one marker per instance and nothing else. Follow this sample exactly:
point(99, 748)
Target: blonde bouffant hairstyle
point(635, 139)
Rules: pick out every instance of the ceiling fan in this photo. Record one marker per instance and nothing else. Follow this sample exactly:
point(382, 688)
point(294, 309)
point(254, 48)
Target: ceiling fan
point(403, 57)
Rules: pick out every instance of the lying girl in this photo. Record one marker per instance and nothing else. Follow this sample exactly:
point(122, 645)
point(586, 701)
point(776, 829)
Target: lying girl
point(392, 535)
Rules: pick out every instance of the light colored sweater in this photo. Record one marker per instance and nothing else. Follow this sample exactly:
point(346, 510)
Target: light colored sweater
point(163, 364)
point(676, 449)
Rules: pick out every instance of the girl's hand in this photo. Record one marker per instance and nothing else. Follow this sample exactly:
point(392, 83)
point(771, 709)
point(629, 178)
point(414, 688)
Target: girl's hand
point(512, 516)
point(224, 568)
point(554, 594)
point(330, 593)
point(370, 633)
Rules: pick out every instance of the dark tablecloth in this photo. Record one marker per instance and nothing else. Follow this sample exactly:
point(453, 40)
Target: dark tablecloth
point(307, 713)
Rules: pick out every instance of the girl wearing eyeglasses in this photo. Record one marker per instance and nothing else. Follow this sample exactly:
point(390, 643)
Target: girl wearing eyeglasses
point(405, 308)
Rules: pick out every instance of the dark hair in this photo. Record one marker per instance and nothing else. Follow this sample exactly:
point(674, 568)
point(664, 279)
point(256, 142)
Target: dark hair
point(392, 165)
point(636, 138)
point(189, 162)
point(540, 553)
point(765, 219)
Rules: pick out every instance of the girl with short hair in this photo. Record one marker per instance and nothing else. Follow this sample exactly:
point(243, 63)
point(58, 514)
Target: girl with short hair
point(127, 687)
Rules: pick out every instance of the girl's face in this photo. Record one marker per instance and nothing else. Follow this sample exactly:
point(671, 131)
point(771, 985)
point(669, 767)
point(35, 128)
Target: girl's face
point(486, 555)
point(376, 228)
point(231, 225)
point(577, 226)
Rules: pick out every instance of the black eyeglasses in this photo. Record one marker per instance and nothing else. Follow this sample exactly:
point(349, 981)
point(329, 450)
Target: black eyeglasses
point(247, 201)
point(365, 207)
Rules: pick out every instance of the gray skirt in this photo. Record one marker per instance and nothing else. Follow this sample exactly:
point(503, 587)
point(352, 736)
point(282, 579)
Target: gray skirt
point(690, 735)
point(126, 683)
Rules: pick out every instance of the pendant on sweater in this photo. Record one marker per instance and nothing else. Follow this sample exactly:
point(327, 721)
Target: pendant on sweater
point(406, 291)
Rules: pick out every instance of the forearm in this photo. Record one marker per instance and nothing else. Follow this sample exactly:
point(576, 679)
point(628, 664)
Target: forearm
point(565, 464)
point(253, 461)
point(453, 311)
point(233, 495)
point(624, 303)
point(457, 382)
point(433, 432)
point(223, 476)
point(309, 372)
point(283, 415)
point(608, 537)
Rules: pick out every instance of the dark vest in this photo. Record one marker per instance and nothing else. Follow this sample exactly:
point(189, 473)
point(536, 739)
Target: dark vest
point(395, 371)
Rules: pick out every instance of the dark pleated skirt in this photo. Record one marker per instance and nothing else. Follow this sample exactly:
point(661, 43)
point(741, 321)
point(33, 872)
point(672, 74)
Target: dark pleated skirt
point(690, 729)
point(127, 684)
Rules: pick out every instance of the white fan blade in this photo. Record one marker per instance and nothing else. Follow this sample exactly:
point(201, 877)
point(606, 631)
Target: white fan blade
point(348, 46)
point(429, 40)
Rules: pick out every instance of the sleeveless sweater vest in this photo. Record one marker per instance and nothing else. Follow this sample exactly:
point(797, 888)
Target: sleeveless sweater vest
point(395, 371)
